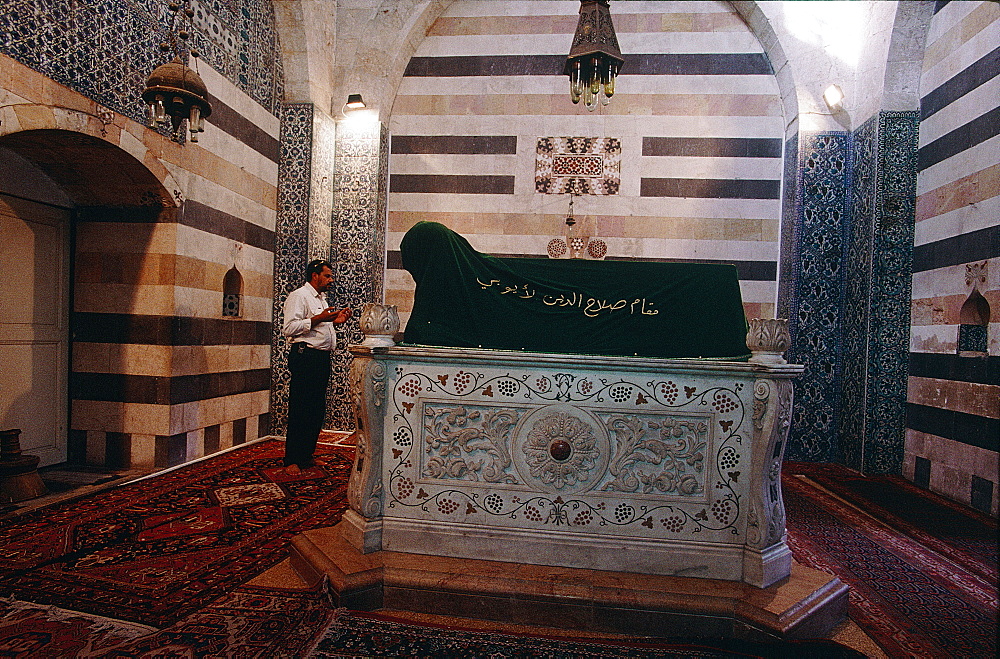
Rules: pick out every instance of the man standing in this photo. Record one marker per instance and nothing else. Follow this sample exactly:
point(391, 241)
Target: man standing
point(309, 325)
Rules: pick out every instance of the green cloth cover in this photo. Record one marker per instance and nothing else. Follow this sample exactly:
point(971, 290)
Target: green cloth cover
point(470, 300)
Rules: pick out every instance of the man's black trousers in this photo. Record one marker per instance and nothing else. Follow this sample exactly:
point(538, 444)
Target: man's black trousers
point(310, 371)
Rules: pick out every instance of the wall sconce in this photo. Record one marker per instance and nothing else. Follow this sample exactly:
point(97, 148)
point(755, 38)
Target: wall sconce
point(354, 102)
point(834, 97)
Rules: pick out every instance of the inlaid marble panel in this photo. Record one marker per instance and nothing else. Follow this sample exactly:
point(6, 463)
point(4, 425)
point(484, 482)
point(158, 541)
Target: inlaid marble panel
point(668, 466)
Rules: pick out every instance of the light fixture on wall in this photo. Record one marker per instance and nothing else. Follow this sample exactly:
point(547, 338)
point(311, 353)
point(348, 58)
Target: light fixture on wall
point(354, 102)
point(173, 91)
point(594, 58)
point(834, 97)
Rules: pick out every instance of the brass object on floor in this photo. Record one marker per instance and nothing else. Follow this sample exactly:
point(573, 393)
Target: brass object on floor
point(19, 479)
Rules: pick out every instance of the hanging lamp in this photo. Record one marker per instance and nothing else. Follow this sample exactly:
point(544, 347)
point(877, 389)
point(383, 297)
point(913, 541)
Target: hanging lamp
point(595, 57)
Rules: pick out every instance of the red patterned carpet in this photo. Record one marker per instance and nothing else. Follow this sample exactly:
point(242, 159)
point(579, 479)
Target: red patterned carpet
point(249, 622)
point(157, 550)
point(922, 574)
point(176, 551)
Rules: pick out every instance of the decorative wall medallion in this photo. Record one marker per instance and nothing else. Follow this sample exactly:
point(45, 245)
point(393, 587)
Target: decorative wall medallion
point(578, 165)
point(556, 248)
point(597, 249)
point(976, 274)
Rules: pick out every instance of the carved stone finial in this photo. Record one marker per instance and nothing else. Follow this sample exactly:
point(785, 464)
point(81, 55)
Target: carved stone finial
point(768, 339)
point(379, 322)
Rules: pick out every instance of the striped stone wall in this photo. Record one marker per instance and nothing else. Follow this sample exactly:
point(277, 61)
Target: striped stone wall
point(160, 375)
point(698, 116)
point(953, 400)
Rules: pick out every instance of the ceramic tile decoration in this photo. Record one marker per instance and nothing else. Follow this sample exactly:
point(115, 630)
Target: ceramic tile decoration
point(816, 312)
point(877, 294)
point(856, 296)
point(888, 355)
point(789, 216)
point(291, 241)
point(358, 245)
point(850, 323)
point(578, 165)
point(105, 49)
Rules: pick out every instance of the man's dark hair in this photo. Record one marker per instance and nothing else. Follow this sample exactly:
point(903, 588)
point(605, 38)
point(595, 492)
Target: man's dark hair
point(316, 267)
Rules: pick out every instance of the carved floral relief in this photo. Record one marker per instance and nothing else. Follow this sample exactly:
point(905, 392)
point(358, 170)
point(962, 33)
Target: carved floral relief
point(654, 456)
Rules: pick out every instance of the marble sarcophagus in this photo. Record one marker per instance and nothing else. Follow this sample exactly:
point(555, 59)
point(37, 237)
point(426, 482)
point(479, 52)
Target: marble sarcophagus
point(652, 466)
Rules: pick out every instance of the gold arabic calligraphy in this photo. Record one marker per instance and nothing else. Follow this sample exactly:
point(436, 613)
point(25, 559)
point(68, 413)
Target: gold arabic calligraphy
point(591, 307)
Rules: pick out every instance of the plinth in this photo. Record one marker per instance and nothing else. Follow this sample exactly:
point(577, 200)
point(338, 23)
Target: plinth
point(806, 604)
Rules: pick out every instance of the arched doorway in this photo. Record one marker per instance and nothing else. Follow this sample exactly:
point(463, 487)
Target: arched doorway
point(78, 215)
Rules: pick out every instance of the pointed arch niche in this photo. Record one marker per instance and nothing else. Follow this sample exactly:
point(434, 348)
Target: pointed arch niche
point(974, 319)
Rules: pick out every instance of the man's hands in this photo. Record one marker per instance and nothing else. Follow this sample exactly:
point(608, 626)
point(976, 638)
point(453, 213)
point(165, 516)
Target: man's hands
point(331, 315)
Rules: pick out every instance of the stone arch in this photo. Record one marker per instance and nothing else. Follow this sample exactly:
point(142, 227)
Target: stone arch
point(22, 123)
point(761, 28)
point(901, 88)
point(120, 211)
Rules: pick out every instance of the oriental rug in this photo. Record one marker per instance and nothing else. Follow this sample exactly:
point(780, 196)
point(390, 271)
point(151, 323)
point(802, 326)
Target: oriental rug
point(249, 622)
point(918, 587)
point(34, 630)
point(156, 550)
point(354, 634)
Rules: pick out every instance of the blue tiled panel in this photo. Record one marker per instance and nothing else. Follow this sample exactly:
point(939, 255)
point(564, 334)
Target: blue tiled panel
point(358, 246)
point(892, 248)
point(291, 241)
point(850, 309)
point(789, 216)
point(816, 306)
point(857, 298)
point(105, 49)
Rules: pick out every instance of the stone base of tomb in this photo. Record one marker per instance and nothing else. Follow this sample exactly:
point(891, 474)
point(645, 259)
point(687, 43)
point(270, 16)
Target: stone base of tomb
point(806, 604)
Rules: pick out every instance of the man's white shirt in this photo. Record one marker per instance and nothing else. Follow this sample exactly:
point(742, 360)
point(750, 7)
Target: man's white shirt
point(302, 304)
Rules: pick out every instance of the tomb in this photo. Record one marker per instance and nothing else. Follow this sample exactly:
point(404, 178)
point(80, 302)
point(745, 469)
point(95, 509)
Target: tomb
point(602, 490)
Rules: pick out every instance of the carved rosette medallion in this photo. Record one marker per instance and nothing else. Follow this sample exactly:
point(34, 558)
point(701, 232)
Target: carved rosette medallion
point(562, 449)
